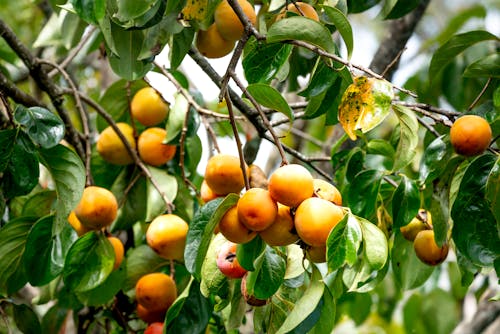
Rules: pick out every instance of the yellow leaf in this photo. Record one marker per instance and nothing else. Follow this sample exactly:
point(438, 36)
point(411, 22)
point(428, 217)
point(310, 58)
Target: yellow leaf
point(195, 10)
point(364, 105)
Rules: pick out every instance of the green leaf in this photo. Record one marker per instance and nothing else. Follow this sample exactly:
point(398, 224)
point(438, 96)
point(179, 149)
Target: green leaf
point(39, 204)
point(54, 319)
point(405, 202)
point(116, 102)
point(364, 105)
point(131, 9)
point(453, 47)
point(248, 253)
point(106, 291)
point(212, 279)
point(409, 271)
point(22, 172)
point(343, 243)
point(493, 190)
point(125, 62)
point(439, 210)
point(7, 142)
point(321, 80)
point(39, 264)
point(190, 313)
point(358, 6)
point(268, 276)
point(181, 43)
point(408, 138)
point(326, 321)
point(262, 61)
point(167, 184)
point(13, 237)
point(475, 230)
point(133, 206)
point(176, 118)
point(140, 261)
point(68, 173)
point(375, 248)
point(380, 147)
point(89, 262)
point(394, 9)
point(435, 158)
point(90, 11)
point(201, 231)
point(343, 26)
point(487, 67)
point(26, 319)
point(305, 305)
point(363, 192)
point(269, 97)
point(302, 29)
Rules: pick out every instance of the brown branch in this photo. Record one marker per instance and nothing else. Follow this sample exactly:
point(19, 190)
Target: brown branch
point(83, 115)
point(237, 139)
point(338, 59)
point(44, 82)
point(11, 90)
point(399, 32)
point(132, 152)
point(486, 314)
point(266, 122)
point(481, 93)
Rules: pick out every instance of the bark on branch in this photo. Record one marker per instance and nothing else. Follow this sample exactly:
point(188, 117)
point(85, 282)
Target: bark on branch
point(398, 34)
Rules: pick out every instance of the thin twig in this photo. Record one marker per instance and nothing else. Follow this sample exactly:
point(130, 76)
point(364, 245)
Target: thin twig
point(182, 154)
point(232, 64)
point(211, 133)
point(74, 52)
point(338, 59)
point(393, 62)
point(238, 141)
point(428, 126)
point(83, 116)
point(188, 96)
point(481, 93)
point(132, 152)
point(44, 82)
point(264, 118)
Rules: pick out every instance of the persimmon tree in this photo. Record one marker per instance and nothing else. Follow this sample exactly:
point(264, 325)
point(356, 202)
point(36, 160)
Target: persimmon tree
point(69, 72)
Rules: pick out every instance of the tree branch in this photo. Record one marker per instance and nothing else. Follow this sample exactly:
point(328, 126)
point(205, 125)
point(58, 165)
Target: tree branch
point(44, 82)
point(393, 44)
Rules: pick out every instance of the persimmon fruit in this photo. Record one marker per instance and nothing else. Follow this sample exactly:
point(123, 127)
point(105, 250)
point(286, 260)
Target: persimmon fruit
point(211, 44)
point(148, 107)
point(119, 250)
point(282, 231)
point(149, 316)
point(257, 210)
point(470, 135)
point(427, 250)
point(151, 148)
point(228, 263)
point(291, 184)
point(328, 191)
point(154, 328)
point(112, 149)
point(166, 235)
point(155, 291)
point(315, 218)
point(306, 10)
point(97, 208)
point(233, 229)
point(206, 193)
point(423, 221)
point(76, 224)
point(223, 174)
point(227, 22)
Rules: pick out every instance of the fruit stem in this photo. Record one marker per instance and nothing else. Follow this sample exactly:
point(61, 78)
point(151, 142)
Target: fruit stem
point(237, 138)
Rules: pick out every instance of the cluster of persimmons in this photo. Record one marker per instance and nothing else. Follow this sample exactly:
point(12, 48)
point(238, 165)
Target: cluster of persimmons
point(220, 37)
point(290, 206)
